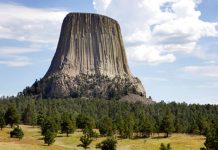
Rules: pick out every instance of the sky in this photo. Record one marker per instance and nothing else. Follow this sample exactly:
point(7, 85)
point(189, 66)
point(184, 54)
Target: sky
point(171, 45)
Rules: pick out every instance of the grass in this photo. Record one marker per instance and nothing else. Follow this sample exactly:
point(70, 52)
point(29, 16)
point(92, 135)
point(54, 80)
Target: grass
point(33, 141)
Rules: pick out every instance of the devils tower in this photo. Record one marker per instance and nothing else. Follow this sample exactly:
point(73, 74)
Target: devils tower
point(90, 61)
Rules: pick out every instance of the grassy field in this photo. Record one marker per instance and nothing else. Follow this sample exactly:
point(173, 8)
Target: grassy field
point(33, 141)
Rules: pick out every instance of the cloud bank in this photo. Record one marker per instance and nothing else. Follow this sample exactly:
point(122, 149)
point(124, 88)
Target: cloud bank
point(156, 31)
point(33, 28)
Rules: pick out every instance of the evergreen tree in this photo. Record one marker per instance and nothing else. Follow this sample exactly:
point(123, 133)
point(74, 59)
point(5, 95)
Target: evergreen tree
point(29, 116)
point(2, 120)
point(144, 127)
point(83, 121)
point(86, 139)
point(211, 142)
point(49, 137)
point(128, 127)
point(68, 124)
point(106, 126)
point(89, 131)
point(49, 125)
point(167, 124)
point(119, 123)
point(12, 116)
point(202, 124)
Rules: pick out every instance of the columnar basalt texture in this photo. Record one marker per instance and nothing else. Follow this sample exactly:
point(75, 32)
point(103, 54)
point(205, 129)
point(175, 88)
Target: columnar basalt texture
point(90, 61)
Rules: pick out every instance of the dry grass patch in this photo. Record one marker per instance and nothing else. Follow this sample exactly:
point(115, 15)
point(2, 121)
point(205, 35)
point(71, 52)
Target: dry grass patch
point(33, 141)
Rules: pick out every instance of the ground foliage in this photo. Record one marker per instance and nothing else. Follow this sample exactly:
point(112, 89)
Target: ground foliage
point(122, 117)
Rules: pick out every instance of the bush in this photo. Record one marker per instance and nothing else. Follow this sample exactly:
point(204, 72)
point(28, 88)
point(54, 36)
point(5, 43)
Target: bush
point(108, 144)
point(86, 141)
point(49, 137)
point(17, 133)
point(165, 147)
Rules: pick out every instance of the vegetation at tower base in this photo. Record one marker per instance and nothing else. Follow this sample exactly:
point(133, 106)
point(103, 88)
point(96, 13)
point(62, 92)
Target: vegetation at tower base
point(129, 120)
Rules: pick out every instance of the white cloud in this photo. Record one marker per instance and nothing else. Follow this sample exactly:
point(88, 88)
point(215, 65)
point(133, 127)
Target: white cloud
point(101, 4)
point(161, 28)
point(154, 79)
point(8, 51)
point(17, 61)
point(208, 71)
point(148, 54)
point(35, 28)
point(30, 24)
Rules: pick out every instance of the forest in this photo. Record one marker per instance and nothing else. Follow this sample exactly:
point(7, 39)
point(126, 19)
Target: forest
point(129, 120)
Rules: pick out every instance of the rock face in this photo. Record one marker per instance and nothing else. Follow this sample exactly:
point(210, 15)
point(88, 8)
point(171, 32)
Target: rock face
point(90, 61)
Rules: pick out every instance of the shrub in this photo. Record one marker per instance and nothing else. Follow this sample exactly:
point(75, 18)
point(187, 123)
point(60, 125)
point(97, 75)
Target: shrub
point(49, 137)
point(86, 141)
point(108, 144)
point(17, 133)
point(165, 147)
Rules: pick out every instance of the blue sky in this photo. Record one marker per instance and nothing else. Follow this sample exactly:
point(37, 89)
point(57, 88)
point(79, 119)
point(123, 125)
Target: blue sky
point(171, 44)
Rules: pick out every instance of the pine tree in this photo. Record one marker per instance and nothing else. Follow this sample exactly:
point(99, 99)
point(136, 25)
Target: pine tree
point(106, 126)
point(167, 124)
point(49, 137)
point(12, 116)
point(49, 125)
point(144, 127)
point(83, 121)
point(2, 120)
point(68, 124)
point(29, 116)
point(86, 140)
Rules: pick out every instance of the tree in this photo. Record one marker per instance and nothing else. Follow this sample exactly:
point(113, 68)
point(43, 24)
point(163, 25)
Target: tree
point(108, 144)
point(119, 123)
point(49, 137)
point(202, 124)
point(11, 116)
point(92, 134)
point(29, 115)
point(49, 125)
point(144, 127)
point(195, 128)
point(211, 142)
point(68, 124)
point(165, 147)
point(125, 125)
point(40, 119)
point(2, 120)
point(86, 141)
point(106, 126)
point(83, 121)
point(17, 133)
point(167, 124)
